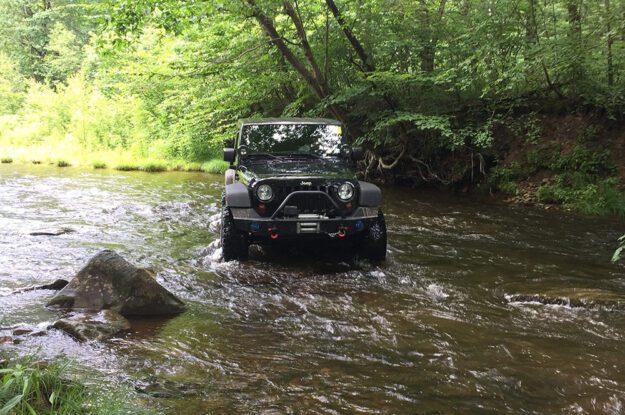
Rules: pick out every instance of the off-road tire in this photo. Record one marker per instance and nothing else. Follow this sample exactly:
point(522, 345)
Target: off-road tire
point(234, 244)
point(373, 245)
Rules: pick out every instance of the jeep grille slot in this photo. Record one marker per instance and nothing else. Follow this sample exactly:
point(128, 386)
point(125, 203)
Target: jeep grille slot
point(311, 203)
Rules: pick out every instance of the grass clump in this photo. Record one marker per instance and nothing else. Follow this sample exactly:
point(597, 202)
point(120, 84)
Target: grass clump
point(215, 166)
point(153, 166)
point(6, 160)
point(28, 388)
point(99, 165)
point(126, 166)
point(62, 163)
point(193, 167)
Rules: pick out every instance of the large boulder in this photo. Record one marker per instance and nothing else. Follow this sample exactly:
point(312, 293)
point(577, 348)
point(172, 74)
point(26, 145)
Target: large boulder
point(109, 282)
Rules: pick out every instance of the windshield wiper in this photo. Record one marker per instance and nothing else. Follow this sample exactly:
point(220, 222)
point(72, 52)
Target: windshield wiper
point(259, 155)
point(302, 155)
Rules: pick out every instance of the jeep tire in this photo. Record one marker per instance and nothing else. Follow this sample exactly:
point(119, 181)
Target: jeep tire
point(234, 244)
point(373, 245)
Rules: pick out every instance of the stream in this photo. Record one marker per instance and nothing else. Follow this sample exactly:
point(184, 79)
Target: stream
point(471, 313)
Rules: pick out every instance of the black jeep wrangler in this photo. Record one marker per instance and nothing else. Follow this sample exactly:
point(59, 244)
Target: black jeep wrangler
point(294, 178)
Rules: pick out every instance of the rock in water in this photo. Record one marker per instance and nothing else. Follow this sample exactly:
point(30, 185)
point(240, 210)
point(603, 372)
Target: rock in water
point(98, 326)
point(109, 282)
point(52, 232)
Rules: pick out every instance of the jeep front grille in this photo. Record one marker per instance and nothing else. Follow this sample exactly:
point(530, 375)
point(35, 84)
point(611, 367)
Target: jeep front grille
point(316, 199)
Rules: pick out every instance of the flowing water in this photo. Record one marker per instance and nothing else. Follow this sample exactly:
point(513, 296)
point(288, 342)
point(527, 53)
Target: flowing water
point(447, 325)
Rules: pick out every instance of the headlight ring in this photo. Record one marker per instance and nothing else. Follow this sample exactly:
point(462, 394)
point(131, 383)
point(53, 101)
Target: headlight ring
point(264, 193)
point(345, 192)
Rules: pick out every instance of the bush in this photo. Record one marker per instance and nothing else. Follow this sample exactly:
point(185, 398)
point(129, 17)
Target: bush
point(99, 165)
point(62, 163)
point(6, 160)
point(584, 193)
point(503, 178)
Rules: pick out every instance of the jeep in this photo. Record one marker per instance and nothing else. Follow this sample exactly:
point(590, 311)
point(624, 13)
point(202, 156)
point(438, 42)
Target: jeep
point(294, 179)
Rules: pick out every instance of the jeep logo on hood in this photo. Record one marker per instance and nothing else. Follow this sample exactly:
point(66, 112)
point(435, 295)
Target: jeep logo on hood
point(303, 183)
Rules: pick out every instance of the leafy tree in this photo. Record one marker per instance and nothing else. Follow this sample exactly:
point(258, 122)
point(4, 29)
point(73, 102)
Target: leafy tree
point(12, 86)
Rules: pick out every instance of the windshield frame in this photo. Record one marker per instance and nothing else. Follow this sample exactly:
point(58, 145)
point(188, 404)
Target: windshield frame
point(342, 140)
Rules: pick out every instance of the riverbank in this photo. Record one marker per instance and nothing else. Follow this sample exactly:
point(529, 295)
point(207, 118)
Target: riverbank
point(105, 160)
point(570, 161)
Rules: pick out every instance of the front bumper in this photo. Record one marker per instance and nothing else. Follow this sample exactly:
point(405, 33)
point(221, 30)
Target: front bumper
point(258, 227)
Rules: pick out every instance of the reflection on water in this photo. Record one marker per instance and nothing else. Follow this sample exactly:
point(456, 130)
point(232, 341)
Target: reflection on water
point(433, 330)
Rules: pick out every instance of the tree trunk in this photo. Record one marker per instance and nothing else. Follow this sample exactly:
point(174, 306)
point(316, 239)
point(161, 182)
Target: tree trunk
point(320, 90)
point(428, 53)
point(610, 41)
point(308, 53)
point(367, 62)
point(575, 43)
point(531, 26)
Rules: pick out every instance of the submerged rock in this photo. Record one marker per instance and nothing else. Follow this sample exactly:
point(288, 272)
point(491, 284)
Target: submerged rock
point(52, 232)
point(93, 326)
point(55, 286)
point(164, 388)
point(575, 297)
point(109, 282)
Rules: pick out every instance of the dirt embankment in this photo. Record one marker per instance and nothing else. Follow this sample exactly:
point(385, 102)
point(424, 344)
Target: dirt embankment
point(554, 160)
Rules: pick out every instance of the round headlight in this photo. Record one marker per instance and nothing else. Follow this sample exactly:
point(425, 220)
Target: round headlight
point(264, 192)
point(345, 191)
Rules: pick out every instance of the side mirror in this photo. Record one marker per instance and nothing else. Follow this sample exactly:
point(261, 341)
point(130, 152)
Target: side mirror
point(358, 153)
point(229, 154)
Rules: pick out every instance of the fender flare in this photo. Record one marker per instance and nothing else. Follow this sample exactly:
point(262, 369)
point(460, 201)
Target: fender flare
point(238, 196)
point(370, 195)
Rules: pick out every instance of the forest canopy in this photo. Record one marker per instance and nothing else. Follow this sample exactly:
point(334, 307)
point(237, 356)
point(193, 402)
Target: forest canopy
point(411, 79)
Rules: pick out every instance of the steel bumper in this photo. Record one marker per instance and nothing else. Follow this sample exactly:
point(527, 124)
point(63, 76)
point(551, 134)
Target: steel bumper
point(248, 220)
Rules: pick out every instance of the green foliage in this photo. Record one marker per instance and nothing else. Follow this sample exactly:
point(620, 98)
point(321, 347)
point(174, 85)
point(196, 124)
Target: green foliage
point(62, 163)
point(526, 126)
point(504, 178)
point(584, 161)
point(99, 164)
point(12, 86)
point(6, 160)
point(584, 193)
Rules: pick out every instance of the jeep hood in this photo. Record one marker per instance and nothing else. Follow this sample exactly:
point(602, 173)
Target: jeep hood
point(316, 168)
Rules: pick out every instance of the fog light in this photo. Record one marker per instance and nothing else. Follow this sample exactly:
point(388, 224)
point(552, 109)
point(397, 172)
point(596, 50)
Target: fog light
point(255, 226)
point(359, 226)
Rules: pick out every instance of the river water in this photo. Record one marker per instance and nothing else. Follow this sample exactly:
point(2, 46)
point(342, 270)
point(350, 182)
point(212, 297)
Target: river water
point(436, 329)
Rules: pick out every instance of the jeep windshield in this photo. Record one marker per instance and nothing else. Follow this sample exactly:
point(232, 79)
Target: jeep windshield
point(292, 140)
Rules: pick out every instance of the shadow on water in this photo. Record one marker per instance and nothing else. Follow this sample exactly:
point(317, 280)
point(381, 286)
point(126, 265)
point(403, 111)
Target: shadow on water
point(480, 308)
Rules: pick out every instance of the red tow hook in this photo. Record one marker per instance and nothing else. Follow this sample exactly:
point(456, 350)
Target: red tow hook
point(273, 234)
point(342, 231)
